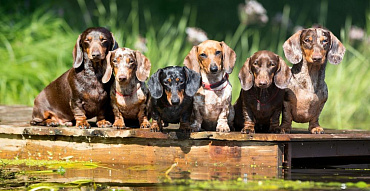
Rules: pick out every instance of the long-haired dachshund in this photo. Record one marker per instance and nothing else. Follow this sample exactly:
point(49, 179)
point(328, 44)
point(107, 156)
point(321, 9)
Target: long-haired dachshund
point(79, 93)
point(308, 50)
point(172, 90)
point(212, 103)
point(129, 94)
point(263, 78)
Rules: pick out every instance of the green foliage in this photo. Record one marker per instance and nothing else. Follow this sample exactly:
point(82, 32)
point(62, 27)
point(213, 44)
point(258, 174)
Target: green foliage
point(36, 48)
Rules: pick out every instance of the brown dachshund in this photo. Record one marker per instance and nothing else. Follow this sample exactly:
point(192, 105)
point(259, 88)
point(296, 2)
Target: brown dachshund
point(212, 108)
point(129, 94)
point(308, 50)
point(263, 78)
point(79, 93)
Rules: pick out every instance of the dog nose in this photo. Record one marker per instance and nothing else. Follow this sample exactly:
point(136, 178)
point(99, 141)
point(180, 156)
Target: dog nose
point(175, 101)
point(262, 83)
point(214, 68)
point(95, 54)
point(317, 58)
point(122, 78)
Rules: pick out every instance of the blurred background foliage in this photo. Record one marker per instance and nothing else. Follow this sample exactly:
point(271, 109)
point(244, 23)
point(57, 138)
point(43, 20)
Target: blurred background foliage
point(37, 39)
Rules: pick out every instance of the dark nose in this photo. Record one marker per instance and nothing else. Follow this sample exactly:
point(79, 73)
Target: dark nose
point(175, 101)
point(122, 78)
point(317, 58)
point(214, 68)
point(95, 54)
point(262, 83)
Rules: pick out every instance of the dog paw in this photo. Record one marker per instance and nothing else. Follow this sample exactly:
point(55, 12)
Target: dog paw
point(119, 124)
point(224, 128)
point(155, 128)
point(103, 123)
point(282, 130)
point(248, 128)
point(317, 130)
point(145, 124)
point(82, 124)
point(195, 127)
point(51, 123)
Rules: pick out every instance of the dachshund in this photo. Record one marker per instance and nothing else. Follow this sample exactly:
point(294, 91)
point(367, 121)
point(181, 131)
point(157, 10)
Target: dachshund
point(129, 94)
point(212, 108)
point(79, 93)
point(263, 78)
point(172, 90)
point(309, 50)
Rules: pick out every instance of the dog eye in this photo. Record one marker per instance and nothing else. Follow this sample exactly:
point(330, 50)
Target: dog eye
point(272, 64)
point(218, 52)
point(114, 61)
point(307, 40)
point(203, 55)
point(103, 40)
point(181, 81)
point(324, 41)
point(255, 63)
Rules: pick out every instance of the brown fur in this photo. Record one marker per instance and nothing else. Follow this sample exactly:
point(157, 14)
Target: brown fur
point(263, 77)
point(129, 94)
point(212, 109)
point(308, 50)
point(79, 93)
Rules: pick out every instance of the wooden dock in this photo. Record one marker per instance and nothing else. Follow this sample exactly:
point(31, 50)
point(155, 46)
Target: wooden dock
point(200, 155)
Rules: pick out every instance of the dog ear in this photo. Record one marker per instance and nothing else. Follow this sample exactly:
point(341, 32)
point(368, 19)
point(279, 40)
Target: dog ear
point(143, 66)
point(108, 70)
point(337, 50)
point(155, 86)
point(115, 44)
point(192, 81)
point(77, 53)
point(246, 76)
point(282, 74)
point(229, 58)
point(292, 48)
point(191, 60)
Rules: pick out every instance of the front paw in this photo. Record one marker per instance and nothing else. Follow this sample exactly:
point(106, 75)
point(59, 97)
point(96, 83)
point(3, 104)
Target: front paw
point(283, 129)
point(223, 127)
point(248, 128)
point(317, 130)
point(195, 127)
point(103, 123)
point(145, 124)
point(185, 127)
point(82, 124)
point(155, 127)
point(119, 124)
point(52, 123)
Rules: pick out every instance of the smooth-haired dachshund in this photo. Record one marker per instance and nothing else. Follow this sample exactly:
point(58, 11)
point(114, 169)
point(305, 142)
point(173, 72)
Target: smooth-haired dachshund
point(308, 50)
point(263, 78)
point(212, 103)
point(79, 93)
point(172, 90)
point(129, 94)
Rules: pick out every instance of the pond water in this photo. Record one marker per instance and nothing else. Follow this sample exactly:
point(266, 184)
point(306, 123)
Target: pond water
point(96, 176)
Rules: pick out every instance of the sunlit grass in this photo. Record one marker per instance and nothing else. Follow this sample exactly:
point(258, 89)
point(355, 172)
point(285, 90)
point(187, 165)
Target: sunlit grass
point(36, 49)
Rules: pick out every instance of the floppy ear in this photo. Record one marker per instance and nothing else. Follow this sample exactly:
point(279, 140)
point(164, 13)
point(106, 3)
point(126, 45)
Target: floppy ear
point(192, 81)
point(246, 76)
point(191, 60)
point(337, 50)
point(143, 66)
point(77, 54)
point(155, 86)
point(108, 70)
point(282, 75)
point(115, 44)
point(229, 58)
point(292, 48)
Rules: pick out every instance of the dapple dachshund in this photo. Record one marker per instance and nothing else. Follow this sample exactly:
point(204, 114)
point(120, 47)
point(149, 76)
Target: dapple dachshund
point(212, 103)
point(172, 90)
point(263, 78)
point(129, 94)
point(308, 50)
point(79, 93)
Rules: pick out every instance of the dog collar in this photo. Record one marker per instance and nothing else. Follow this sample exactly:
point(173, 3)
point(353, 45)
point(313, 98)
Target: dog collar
point(128, 95)
point(217, 84)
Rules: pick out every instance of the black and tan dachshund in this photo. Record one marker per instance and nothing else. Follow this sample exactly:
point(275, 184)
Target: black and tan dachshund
point(79, 93)
point(172, 90)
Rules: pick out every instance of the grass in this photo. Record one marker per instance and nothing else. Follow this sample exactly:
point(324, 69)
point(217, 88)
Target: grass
point(35, 49)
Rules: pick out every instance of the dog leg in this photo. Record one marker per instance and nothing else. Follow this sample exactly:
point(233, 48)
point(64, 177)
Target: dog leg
point(197, 119)
point(286, 123)
point(248, 120)
point(101, 122)
point(314, 126)
point(222, 125)
point(274, 122)
point(143, 117)
point(119, 122)
point(156, 122)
